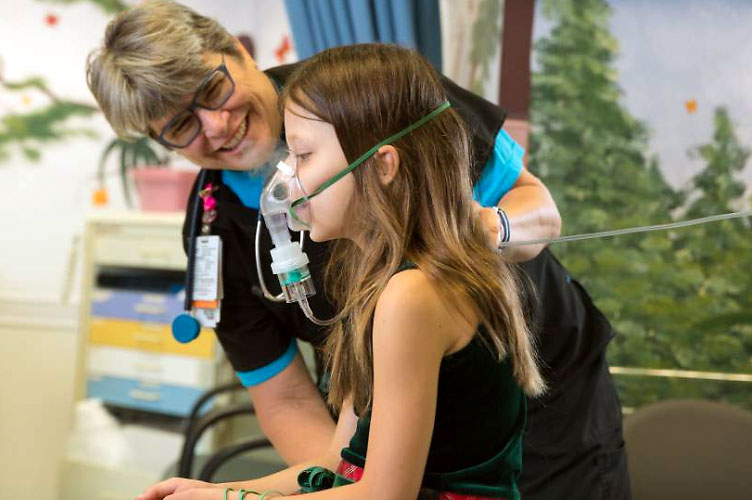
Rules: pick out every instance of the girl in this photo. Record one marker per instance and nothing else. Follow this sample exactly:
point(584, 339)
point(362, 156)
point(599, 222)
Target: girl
point(430, 357)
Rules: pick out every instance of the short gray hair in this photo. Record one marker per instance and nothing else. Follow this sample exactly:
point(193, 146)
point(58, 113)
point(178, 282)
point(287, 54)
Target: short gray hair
point(151, 59)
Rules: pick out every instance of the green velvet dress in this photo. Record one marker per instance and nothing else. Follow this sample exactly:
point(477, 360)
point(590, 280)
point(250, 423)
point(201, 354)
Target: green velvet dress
point(476, 447)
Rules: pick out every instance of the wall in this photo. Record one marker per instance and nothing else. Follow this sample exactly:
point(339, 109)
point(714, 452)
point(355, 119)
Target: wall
point(42, 209)
point(45, 202)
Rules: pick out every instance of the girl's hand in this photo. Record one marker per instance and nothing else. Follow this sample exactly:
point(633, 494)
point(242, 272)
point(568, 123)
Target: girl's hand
point(209, 494)
point(169, 487)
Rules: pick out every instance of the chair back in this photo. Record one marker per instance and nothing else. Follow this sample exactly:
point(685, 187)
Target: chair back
point(689, 449)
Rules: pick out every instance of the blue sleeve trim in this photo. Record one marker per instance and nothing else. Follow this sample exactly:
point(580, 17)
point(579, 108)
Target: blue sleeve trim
point(501, 171)
point(255, 377)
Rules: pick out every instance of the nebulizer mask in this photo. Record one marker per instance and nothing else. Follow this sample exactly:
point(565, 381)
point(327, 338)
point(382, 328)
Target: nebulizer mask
point(289, 261)
point(285, 206)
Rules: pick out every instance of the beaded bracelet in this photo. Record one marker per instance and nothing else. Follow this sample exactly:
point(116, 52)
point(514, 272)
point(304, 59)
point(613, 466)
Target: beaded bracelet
point(262, 496)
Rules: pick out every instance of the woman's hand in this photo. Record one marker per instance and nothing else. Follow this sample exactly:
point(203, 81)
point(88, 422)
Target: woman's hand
point(490, 220)
point(179, 485)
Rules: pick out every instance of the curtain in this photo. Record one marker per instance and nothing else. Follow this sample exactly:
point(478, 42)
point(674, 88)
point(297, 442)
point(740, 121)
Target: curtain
point(320, 24)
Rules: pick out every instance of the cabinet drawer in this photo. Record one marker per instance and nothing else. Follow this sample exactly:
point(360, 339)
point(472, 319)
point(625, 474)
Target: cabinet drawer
point(139, 249)
point(153, 337)
point(129, 393)
point(157, 368)
point(136, 305)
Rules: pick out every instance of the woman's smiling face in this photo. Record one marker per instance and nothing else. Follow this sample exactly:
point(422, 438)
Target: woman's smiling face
point(245, 130)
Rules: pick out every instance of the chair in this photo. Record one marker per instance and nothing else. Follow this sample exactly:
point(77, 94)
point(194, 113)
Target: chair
point(689, 449)
point(234, 467)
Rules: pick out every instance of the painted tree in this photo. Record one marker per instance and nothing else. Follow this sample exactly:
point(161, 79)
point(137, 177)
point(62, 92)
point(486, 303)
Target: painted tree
point(108, 6)
point(30, 131)
point(714, 330)
point(486, 34)
point(721, 338)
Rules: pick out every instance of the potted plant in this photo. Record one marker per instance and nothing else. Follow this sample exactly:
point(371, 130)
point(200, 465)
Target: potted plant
point(159, 188)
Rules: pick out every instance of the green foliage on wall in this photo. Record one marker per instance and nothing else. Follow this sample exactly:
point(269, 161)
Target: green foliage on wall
point(30, 131)
point(679, 299)
point(108, 6)
point(48, 124)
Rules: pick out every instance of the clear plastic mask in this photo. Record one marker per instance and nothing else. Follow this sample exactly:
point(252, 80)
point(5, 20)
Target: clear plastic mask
point(281, 191)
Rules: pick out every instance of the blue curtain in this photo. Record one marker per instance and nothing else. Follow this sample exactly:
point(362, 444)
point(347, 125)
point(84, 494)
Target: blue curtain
point(320, 24)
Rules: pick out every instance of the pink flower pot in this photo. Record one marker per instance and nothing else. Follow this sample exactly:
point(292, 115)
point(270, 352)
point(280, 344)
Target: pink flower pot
point(163, 189)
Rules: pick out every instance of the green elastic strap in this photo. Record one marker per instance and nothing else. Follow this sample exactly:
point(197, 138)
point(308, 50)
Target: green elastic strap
point(227, 492)
point(242, 493)
point(315, 479)
point(430, 116)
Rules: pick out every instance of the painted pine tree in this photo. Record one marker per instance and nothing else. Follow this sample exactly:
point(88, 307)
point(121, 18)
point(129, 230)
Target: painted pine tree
point(720, 336)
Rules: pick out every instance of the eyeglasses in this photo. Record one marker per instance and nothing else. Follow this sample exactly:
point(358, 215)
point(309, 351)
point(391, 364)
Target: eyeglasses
point(213, 93)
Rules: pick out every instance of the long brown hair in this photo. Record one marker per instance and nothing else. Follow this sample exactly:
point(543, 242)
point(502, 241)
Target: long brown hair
point(425, 215)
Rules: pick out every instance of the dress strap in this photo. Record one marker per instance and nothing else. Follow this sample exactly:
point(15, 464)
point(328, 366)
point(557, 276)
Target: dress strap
point(408, 264)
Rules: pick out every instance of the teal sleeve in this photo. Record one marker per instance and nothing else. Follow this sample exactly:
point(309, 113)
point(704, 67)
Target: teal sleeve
point(501, 171)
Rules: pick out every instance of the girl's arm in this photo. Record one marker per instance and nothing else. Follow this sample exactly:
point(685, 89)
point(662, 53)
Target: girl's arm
point(411, 334)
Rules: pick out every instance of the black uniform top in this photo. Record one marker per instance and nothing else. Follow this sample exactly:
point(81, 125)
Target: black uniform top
point(579, 412)
point(255, 332)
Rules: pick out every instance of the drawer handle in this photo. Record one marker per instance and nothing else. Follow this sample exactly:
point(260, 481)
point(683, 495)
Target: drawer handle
point(149, 308)
point(155, 255)
point(152, 326)
point(148, 367)
point(145, 337)
point(143, 395)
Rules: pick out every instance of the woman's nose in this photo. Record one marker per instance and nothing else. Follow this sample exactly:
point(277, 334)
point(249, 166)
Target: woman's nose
point(215, 123)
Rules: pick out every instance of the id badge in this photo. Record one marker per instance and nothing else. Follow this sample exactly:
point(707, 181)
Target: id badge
point(207, 280)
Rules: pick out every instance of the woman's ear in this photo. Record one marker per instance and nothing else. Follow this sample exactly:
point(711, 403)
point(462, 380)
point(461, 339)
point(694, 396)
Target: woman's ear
point(388, 162)
point(246, 50)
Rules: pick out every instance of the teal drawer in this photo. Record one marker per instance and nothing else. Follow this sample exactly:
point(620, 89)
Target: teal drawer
point(138, 395)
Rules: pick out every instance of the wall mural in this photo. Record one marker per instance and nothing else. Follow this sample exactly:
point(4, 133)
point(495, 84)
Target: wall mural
point(29, 131)
point(638, 117)
point(680, 299)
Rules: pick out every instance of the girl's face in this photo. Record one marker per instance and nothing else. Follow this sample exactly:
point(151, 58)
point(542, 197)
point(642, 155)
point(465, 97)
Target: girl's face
point(318, 156)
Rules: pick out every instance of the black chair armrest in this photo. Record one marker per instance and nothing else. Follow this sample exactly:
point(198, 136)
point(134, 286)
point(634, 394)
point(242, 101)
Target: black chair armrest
point(218, 459)
point(198, 426)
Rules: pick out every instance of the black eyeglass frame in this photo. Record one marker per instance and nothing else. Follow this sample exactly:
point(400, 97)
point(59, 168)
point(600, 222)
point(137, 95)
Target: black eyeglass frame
point(222, 68)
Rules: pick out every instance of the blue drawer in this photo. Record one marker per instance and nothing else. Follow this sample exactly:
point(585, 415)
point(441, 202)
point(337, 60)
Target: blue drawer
point(130, 393)
point(136, 305)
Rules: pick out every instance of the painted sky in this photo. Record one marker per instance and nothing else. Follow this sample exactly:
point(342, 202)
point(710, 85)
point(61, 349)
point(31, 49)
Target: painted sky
point(672, 51)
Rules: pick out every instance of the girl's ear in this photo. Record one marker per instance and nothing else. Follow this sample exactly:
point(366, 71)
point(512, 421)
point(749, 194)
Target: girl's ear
point(388, 162)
